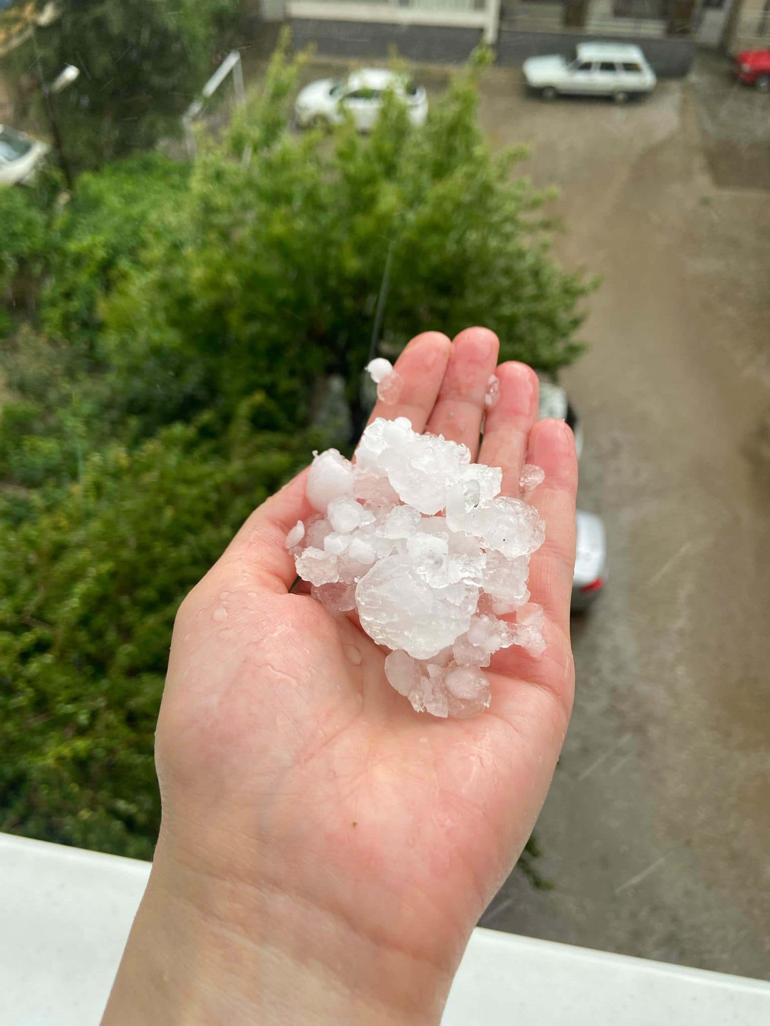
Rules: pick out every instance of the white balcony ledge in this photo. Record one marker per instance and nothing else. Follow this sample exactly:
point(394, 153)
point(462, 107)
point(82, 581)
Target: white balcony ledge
point(65, 915)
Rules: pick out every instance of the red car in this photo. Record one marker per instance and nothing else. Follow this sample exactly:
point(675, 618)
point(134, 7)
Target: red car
point(753, 68)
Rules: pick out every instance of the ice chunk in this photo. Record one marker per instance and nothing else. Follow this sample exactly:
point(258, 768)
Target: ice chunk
point(531, 477)
point(421, 544)
point(338, 597)
point(399, 609)
point(463, 682)
point(402, 672)
point(401, 522)
point(330, 477)
point(528, 631)
point(379, 369)
point(505, 581)
point(316, 531)
point(317, 566)
point(492, 393)
point(295, 535)
point(369, 486)
point(510, 526)
point(336, 543)
point(346, 515)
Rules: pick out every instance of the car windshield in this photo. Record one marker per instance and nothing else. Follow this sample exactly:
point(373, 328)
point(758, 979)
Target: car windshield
point(12, 145)
point(336, 87)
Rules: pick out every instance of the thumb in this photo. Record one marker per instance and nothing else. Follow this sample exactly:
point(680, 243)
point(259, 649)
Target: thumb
point(260, 544)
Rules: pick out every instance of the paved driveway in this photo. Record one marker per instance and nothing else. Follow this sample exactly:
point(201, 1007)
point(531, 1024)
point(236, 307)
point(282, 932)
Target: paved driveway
point(657, 832)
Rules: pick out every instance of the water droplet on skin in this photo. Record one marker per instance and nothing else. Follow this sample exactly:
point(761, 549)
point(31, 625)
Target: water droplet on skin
point(353, 654)
point(219, 614)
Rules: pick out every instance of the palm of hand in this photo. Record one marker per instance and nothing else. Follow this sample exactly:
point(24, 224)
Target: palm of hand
point(280, 731)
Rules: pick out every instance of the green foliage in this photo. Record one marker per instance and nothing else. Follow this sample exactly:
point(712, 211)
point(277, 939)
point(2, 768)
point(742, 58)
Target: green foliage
point(21, 250)
point(60, 406)
point(142, 64)
point(89, 587)
point(100, 234)
point(275, 274)
point(182, 332)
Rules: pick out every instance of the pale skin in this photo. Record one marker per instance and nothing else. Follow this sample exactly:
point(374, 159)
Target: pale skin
point(325, 851)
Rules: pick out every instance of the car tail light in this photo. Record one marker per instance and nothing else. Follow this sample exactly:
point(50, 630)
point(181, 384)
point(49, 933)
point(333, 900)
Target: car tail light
point(594, 585)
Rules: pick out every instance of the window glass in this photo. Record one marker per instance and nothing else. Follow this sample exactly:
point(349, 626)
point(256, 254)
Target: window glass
point(607, 66)
point(370, 95)
point(630, 66)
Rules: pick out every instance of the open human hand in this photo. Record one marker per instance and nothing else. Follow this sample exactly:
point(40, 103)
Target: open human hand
point(325, 851)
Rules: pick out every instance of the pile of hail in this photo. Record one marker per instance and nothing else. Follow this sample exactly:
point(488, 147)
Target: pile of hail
point(420, 544)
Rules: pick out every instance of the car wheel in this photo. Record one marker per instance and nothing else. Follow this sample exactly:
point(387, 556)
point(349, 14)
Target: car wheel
point(763, 83)
point(620, 96)
point(548, 93)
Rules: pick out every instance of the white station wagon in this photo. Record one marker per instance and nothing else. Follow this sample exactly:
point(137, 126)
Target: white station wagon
point(619, 70)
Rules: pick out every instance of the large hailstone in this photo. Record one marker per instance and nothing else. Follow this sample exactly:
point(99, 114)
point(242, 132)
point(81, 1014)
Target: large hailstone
point(418, 541)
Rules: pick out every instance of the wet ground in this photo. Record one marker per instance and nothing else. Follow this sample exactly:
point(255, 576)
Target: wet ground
point(656, 835)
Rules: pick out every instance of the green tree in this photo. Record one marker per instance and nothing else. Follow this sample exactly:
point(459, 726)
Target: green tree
point(22, 249)
point(288, 240)
point(141, 64)
point(89, 587)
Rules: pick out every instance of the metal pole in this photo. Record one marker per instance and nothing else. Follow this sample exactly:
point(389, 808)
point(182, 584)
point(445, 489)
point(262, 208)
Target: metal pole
point(53, 124)
point(240, 90)
point(57, 139)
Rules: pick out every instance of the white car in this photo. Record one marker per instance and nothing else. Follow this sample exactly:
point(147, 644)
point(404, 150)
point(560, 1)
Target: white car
point(619, 70)
point(20, 156)
point(361, 94)
point(590, 560)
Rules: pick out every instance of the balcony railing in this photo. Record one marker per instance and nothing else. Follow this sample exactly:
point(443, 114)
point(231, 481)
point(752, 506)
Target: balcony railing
point(65, 915)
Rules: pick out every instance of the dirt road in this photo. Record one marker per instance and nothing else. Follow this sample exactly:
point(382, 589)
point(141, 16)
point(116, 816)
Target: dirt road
point(656, 835)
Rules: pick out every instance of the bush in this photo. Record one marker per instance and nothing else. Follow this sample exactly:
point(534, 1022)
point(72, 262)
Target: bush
point(90, 586)
point(22, 249)
point(100, 235)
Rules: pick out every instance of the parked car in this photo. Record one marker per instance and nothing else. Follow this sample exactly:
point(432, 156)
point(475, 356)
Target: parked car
point(753, 68)
point(619, 70)
point(554, 402)
point(361, 94)
point(590, 560)
point(20, 156)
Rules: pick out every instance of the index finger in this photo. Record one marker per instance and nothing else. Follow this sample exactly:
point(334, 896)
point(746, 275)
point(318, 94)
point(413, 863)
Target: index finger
point(421, 367)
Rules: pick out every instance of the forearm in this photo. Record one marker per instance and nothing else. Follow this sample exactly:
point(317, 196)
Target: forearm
point(213, 952)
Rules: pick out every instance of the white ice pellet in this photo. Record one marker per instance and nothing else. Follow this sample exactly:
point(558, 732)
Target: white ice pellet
point(346, 515)
point(378, 369)
point(317, 566)
point(492, 393)
point(295, 535)
point(531, 477)
point(330, 477)
point(418, 541)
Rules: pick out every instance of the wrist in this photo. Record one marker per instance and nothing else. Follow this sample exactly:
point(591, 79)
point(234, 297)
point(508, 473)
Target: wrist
point(208, 949)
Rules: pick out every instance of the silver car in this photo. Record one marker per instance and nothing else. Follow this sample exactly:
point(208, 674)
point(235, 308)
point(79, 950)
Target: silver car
point(20, 156)
point(590, 560)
